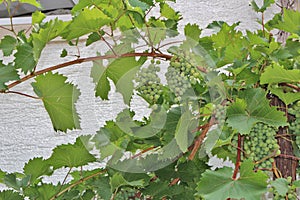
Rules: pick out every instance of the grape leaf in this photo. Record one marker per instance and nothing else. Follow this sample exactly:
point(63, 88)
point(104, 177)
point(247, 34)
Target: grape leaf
point(117, 180)
point(266, 4)
point(216, 184)
point(46, 191)
point(137, 3)
point(2, 175)
point(281, 185)
point(120, 71)
point(10, 180)
point(168, 12)
point(286, 97)
point(99, 75)
point(192, 31)
point(296, 183)
point(64, 53)
point(10, 195)
point(8, 44)
point(37, 167)
point(277, 74)
point(251, 108)
point(290, 22)
point(70, 155)
point(159, 190)
point(59, 98)
point(24, 58)
point(93, 37)
point(182, 129)
point(31, 2)
point(103, 188)
point(86, 3)
point(89, 20)
point(51, 30)
point(255, 6)
point(7, 73)
point(37, 17)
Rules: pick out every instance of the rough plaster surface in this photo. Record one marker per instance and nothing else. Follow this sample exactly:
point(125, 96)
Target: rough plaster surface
point(25, 128)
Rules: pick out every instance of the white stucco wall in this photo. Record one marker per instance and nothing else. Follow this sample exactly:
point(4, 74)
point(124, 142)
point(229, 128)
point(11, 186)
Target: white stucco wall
point(25, 128)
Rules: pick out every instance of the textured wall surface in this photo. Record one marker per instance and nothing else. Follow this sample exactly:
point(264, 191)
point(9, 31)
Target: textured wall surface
point(25, 128)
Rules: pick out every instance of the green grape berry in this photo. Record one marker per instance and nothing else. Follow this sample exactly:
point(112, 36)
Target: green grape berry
point(148, 83)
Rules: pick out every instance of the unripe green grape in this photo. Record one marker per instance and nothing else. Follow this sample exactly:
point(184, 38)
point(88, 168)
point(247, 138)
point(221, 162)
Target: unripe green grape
point(148, 83)
point(261, 143)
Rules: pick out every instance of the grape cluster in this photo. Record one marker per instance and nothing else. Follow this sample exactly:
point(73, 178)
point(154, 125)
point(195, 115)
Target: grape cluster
point(220, 113)
point(148, 83)
point(260, 145)
point(295, 125)
point(128, 194)
point(291, 194)
point(182, 73)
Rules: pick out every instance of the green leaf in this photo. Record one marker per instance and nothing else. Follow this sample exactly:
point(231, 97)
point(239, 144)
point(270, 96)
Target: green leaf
point(277, 74)
point(157, 32)
point(159, 190)
point(182, 131)
point(220, 185)
point(37, 167)
point(10, 195)
point(11, 181)
point(37, 17)
point(47, 191)
point(31, 2)
point(192, 31)
point(2, 175)
point(103, 188)
point(296, 183)
point(59, 98)
point(99, 75)
point(8, 44)
point(24, 58)
point(122, 71)
point(7, 73)
point(290, 22)
point(255, 6)
point(117, 180)
point(86, 3)
point(168, 12)
point(52, 30)
point(266, 4)
point(253, 107)
point(64, 53)
point(70, 155)
point(93, 37)
point(137, 3)
point(281, 185)
point(286, 97)
point(89, 20)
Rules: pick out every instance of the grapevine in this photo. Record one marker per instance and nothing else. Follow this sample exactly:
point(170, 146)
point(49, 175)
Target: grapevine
point(182, 73)
point(290, 190)
point(260, 145)
point(148, 83)
point(233, 94)
point(295, 125)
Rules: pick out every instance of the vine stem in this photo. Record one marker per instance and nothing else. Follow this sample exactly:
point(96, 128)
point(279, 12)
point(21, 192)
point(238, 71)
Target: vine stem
point(291, 86)
point(142, 152)
point(77, 183)
point(200, 138)
point(88, 59)
point(238, 158)
point(22, 94)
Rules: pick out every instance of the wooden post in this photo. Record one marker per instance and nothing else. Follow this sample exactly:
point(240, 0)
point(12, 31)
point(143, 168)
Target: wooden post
point(286, 165)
